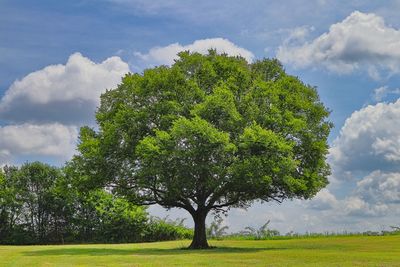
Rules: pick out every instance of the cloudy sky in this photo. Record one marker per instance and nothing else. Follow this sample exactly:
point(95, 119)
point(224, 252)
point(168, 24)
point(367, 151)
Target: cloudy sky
point(57, 57)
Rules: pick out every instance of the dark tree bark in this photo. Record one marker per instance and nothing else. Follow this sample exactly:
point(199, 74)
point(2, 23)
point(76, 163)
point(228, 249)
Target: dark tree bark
point(199, 239)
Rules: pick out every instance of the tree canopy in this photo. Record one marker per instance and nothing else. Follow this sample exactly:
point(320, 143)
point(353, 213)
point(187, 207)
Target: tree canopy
point(208, 133)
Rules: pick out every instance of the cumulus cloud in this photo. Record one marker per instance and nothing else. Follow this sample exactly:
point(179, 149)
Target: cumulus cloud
point(368, 141)
point(376, 194)
point(55, 140)
point(355, 206)
point(365, 157)
point(61, 93)
point(323, 200)
point(380, 187)
point(167, 54)
point(360, 41)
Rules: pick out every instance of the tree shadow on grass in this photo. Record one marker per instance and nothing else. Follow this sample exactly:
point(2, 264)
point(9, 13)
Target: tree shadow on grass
point(142, 251)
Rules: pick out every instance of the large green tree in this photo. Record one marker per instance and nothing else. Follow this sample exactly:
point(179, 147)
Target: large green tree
point(208, 133)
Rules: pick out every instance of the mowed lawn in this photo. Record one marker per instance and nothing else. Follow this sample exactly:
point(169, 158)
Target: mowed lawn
point(326, 251)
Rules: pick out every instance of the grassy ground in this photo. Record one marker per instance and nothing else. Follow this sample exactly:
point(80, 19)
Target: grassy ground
point(329, 251)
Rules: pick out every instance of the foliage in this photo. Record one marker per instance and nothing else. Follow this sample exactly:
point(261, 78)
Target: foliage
point(101, 217)
point(165, 229)
point(208, 133)
point(29, 208)
point(9, 207)
point(40, 204)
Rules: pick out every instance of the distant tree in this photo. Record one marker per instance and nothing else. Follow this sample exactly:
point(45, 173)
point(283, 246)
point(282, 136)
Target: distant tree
point(6, 204)
point(216, 229)
point(208, 133)
point(158, 229)
point(35, 182)
point(99, 216)
point(262, 232)
point(395, 228)
point(41, 204)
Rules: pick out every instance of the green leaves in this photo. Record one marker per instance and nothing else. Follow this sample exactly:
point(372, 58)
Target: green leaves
point(209, 131)
point(185, 157)
point(260, 140)
point(219, 108)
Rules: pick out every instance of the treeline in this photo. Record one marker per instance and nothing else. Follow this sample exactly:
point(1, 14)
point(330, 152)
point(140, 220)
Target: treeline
point(217, 230)
point(41, 204)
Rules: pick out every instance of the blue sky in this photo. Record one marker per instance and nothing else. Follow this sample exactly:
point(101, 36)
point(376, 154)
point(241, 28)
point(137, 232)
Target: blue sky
point(57, 57)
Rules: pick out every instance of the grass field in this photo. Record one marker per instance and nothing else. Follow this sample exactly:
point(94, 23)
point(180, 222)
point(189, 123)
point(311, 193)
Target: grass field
point(327, 251)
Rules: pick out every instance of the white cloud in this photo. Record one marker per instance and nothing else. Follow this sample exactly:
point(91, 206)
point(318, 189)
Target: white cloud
point(167, 54)
point(62, 93)
point(297, 35)
point(376, 194)
point(360, 41)
point(379, 187)
point(382, 92)
point(355, 206)
point(368, 141)
point(367, 149)
point(55, 140)
point(323, 200)
point(365, 160)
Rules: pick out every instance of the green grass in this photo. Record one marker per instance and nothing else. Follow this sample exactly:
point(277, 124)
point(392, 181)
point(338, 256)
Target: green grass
point(329, 251)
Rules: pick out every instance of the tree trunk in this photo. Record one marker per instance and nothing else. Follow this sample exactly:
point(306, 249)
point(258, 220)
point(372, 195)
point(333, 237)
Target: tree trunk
point(199, 239)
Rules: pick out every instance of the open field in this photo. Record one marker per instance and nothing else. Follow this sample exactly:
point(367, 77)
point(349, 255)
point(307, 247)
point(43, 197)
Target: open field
point(327, 251)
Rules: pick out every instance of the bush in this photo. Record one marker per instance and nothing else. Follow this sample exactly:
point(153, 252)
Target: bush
point(161, 229)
